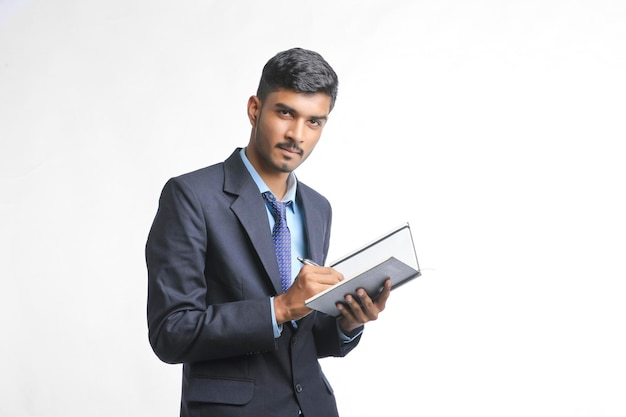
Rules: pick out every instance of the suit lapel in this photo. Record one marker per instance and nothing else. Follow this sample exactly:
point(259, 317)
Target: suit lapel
point(312, 220)
point(249, 208)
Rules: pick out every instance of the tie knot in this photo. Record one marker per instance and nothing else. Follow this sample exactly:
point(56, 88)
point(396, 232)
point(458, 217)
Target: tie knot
point(279, 208)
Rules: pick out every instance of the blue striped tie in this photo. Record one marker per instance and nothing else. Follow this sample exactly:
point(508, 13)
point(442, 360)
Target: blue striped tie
point(281, 238)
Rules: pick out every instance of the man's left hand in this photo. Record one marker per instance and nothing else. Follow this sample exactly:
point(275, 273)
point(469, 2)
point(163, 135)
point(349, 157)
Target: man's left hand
point(355, 313)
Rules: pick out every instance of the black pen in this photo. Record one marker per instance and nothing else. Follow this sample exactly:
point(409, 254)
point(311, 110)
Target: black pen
point(307, 261)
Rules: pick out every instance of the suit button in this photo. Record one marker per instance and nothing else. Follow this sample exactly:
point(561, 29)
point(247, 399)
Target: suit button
point(298, 388)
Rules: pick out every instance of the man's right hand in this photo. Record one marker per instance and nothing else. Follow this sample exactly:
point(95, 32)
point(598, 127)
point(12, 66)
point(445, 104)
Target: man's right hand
point(311, 280)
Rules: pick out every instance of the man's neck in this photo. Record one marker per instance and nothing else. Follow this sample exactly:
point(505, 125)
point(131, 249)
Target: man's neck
point(276, 181)
point(277, 184)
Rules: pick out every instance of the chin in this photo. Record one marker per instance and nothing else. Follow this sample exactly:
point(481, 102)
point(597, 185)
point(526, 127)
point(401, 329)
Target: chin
point(286, 168)
point(286, 165)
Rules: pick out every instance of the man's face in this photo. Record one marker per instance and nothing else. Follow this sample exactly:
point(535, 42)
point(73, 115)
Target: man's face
point(286, 126)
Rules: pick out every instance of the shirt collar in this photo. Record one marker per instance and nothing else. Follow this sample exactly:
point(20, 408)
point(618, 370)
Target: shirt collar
point(292, 182)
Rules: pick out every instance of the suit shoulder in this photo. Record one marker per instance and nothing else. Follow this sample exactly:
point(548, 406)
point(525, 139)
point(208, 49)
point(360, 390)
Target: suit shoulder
point(199, 183)
point(202, 175)
point(210, 175)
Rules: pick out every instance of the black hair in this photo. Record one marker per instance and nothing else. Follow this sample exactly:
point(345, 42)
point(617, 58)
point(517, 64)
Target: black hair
point(298, 70)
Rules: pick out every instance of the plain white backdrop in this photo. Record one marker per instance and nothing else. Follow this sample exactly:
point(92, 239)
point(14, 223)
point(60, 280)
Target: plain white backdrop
point(495, 128)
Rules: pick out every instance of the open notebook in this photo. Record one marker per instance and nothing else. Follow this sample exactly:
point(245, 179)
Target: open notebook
point(390, 256)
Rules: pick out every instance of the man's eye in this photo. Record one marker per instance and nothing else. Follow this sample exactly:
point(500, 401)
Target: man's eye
point(315, 122)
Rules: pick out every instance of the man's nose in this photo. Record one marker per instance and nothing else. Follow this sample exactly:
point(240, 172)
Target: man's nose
point(296, 131)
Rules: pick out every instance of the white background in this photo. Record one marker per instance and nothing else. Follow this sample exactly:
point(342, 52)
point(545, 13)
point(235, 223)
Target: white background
point(495, 128)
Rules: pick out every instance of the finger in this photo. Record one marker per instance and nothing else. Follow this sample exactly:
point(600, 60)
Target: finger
point(356, 309)
point(319, 275)
point(370, 310)
point(384, 295)
point(346, 312)
point(323, 271)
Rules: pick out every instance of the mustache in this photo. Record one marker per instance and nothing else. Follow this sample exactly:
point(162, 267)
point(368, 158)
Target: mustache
point(290, 146)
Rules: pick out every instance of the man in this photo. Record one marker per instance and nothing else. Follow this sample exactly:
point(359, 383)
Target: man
point(215, 302)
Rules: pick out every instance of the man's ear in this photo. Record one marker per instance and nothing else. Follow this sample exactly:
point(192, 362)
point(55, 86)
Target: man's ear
point(254, 109)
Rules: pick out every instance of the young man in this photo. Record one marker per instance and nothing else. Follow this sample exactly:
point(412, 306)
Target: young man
point(216, 304)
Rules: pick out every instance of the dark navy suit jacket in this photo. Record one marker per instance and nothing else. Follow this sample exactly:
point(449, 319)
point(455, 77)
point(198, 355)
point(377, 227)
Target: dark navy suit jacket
point(211, 272)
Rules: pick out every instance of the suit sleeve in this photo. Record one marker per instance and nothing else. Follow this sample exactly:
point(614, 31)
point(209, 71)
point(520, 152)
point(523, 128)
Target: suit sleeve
point(182, 326)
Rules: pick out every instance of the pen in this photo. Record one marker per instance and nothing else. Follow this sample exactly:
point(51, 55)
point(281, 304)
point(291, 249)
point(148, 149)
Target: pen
point(307, 261)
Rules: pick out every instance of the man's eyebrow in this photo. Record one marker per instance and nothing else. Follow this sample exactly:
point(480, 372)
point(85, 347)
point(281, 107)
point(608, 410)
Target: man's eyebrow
point(291, 110)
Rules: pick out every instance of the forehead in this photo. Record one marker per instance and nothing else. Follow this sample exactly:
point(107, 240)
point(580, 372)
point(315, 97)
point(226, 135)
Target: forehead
point(317, 104)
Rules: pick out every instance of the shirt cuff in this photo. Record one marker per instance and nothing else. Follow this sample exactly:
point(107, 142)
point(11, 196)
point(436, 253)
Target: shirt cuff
point(278, 328)
point(347, 338)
